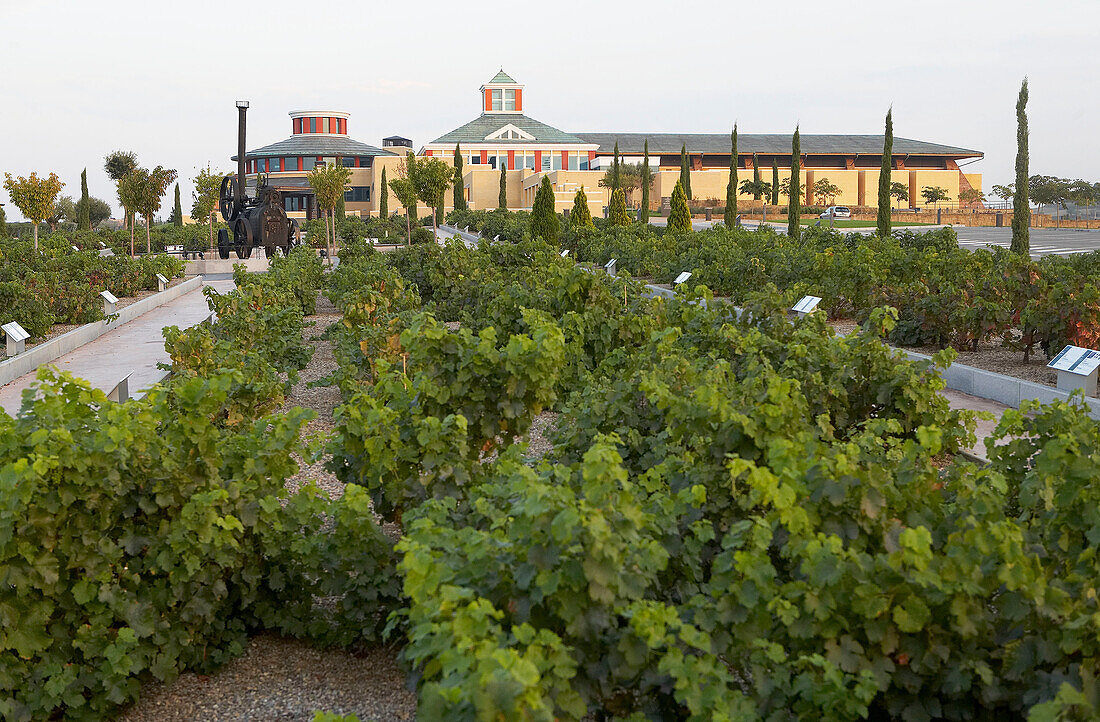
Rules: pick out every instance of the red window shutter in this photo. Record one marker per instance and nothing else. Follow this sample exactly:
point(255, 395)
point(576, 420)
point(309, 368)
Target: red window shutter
point(519, 99)
point(484, 157)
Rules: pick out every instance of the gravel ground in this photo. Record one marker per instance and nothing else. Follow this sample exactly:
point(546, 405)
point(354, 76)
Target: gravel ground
point(283, 680)
point(998, 359)
point(286, 680)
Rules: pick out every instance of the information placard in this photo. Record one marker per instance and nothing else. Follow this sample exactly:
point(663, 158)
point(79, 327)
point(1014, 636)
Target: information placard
point(565, 253)
point(15, 332)
point(1076, 360)
point(681, 278)
point(807, 304)
point(108, 297)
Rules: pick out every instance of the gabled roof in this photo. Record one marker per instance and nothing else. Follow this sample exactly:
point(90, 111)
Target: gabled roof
point(477, 129)
point(502, 77)
point(768, 144)
point(316, 144)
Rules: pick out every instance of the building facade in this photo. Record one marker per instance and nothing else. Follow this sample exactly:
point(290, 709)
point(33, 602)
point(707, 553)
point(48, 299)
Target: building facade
point(504, 137)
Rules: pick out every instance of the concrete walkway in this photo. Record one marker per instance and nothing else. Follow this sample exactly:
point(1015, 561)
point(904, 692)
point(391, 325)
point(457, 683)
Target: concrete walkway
point(985, 427)
point(133, 348)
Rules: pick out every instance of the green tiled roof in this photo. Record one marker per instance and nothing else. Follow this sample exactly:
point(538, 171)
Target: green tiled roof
point(501, 77)
point(476, 130)
point(316, 144)
point(767, 144)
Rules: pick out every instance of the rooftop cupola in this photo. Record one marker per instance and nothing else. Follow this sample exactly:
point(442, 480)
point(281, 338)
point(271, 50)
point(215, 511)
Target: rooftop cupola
point(327, 122)
point(502, 95)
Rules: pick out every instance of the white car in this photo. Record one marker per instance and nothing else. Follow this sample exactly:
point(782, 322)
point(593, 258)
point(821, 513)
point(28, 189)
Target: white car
point(837, 212)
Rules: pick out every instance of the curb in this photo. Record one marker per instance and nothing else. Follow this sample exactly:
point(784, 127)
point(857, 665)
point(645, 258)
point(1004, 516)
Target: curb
point(55, 348)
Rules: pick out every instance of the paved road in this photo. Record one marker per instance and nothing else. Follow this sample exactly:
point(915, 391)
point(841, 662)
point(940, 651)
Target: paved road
point(1044, 241)
point(133, 348)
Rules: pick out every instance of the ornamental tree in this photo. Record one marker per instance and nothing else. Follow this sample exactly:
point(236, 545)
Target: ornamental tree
point(205, 198)
point(405, 191)
point(826, 191)
point(616, 178)
point(329, 183)
point(679, 217)
point(34, 197)
point(775, 183)
point(1004, 192)
point(900, 192)
point(544, 218)
point(646, 182)
point(785, 188)
point(459, 192)
point(129, 195)
point(755, 187)
point(118, 165)
point(685, 172)
point(83, 211)
point(617, 212)
point(502, 194)
point(731, 185)
point(884, 185)
point(580, 216)
point(971, 195)
point(1021, 208)
point(794, 230)
point(384, 197)
point(177, 209)
point(153, 184)
point(431, 178)
point(932, 194)
point(98, 211)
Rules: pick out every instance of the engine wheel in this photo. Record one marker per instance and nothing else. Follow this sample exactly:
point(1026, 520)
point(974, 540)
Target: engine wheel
point(242, 236)
point(227, 201)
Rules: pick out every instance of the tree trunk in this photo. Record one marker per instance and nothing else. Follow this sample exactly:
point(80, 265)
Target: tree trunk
point(211, 224)
point(131, 239)
point(35, 237)
point(148, 239)
point(408, 229)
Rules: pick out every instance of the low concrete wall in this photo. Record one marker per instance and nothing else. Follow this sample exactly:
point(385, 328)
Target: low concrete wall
point(467, 237)
point(1007, 390)
point(55, 348)
point(212, 266)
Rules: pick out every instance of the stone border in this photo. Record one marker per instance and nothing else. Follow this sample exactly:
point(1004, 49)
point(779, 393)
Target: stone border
point(55, 348)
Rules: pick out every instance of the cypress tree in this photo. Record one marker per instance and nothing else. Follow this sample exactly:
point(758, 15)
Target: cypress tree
point(439, 213)
point(459, 191)
point(755, 177)
point(177, 211)
point(544, 219)
point(410, 174)
point(84, 209)
point(617, 213)
point(616, 177)
point(685, 173)
point(3, 223)
point(731, 186)
point(580, 216)
point(502, 195)
point(1021, 211)
point(793, 229)
point(384, 199)
point(679, 217)
point(884, 176)
point(775, 182)
point(646, 180)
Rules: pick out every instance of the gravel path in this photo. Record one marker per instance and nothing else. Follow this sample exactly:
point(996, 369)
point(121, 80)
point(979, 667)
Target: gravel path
point(283, 680)
point(286, 680)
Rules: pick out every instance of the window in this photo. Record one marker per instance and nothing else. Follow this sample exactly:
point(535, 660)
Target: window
point(294, 203)
point(276, 165)
point(357, 194)
point(574, 161)
point(529, 161)
point(496, 98)
point(510, 99)
point(584, 161)
point(263, 165)
point(312, 125)
point(492, 161)
point(365, 161)
point(290, 164)
point(347, 162)
point(324, 124)
point(556, 160)
point(309, 162)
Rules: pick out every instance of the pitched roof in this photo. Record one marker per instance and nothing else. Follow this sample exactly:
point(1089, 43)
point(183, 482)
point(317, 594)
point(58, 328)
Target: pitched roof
point(769, 144)
point(316, 144)
point(477, 129)
point(502, 77)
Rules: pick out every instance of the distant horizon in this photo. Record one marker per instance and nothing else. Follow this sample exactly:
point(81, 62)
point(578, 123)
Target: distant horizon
point(162, 82)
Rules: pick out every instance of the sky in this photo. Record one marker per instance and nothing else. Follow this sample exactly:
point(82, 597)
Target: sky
point(81, 79)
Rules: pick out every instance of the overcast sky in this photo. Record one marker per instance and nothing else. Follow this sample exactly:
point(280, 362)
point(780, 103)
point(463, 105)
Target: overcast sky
point(80, 79)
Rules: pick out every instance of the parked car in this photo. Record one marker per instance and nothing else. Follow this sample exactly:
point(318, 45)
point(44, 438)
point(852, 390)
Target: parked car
point(837, 212)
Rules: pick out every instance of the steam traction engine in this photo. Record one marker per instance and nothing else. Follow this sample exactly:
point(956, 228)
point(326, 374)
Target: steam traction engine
point(259, 221)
